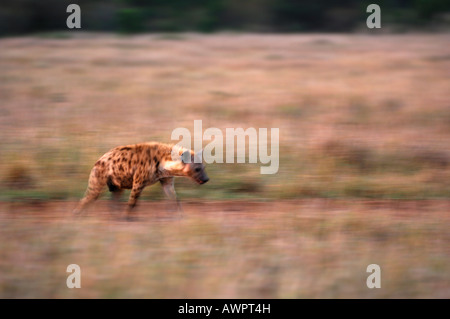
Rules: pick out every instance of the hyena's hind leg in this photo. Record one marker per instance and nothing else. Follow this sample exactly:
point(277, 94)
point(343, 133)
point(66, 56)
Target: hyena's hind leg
point(96, 184)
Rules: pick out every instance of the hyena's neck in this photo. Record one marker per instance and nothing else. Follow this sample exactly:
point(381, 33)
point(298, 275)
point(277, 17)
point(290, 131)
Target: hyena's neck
point(171, 162)
point(172, 168)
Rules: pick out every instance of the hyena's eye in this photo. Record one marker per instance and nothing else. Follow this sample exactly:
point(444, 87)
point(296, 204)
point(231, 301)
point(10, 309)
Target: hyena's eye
point(197, 169)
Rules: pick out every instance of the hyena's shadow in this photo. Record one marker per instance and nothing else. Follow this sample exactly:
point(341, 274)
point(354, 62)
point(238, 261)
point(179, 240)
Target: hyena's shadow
point(114, 206)
point(163, 209)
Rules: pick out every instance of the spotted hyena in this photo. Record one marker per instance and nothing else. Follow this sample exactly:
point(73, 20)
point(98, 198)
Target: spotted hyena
point(137, 166)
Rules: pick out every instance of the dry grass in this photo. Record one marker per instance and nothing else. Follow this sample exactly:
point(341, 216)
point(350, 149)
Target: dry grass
point(293, 249)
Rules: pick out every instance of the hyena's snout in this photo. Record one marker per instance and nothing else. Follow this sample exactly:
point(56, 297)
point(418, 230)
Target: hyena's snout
point(200, 175)
point(202, 178)
point(205, 179)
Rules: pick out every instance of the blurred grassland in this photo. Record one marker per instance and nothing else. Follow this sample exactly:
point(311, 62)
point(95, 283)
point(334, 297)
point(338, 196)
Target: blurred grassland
point(364, 174)
point(285, 249)
point(359, 116)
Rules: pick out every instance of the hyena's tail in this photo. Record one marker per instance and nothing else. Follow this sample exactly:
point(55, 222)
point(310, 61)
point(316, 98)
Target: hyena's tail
point(96, 184)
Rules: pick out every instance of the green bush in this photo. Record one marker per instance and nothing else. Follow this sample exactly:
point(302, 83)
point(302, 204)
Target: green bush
point(428, 8)
point(130, 20)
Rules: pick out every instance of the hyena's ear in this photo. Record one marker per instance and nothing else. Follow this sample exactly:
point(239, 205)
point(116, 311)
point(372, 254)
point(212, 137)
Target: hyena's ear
point(186, 157)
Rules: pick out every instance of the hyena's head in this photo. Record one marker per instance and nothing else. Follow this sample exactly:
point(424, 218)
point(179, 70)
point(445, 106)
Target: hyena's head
point(193, 166)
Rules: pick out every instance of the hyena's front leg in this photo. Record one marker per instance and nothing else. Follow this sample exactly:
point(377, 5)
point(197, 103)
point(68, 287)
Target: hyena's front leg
point(169, 189)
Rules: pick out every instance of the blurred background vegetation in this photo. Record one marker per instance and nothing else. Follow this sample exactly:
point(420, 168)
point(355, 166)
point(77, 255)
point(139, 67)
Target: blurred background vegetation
point(65, 94)
point(359, 116)
point(130, 16)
